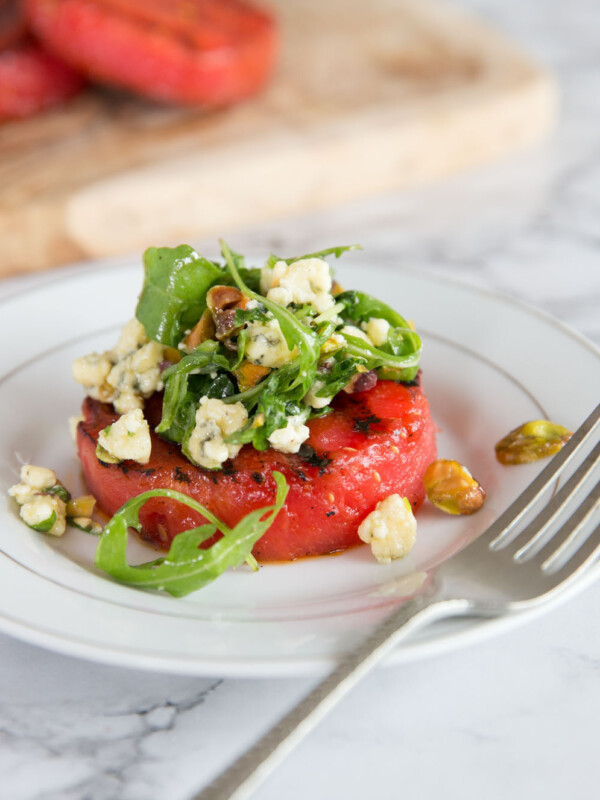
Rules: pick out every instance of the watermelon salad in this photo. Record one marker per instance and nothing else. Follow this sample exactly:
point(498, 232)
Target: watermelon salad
point(245, 414)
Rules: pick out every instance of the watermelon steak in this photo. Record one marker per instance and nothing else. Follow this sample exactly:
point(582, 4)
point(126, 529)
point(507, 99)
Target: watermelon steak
point(374, 443)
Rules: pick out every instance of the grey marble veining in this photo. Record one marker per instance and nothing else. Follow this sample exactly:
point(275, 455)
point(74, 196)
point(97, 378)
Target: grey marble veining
point(515, 716)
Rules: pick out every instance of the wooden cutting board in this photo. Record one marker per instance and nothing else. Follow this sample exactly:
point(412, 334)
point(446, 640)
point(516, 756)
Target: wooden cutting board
point(368, 97)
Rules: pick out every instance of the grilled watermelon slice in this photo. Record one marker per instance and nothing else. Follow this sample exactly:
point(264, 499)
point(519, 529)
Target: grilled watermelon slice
point(373, 444)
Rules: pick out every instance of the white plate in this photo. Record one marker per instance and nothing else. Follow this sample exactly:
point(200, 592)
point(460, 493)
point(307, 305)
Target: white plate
point(489, 364)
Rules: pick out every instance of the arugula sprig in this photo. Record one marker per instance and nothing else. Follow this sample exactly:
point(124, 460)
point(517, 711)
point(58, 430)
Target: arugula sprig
point(186, 567)
point(174, 293)
point(329, 251)
point(339, 374)
point(176, 280)
point(398, 359)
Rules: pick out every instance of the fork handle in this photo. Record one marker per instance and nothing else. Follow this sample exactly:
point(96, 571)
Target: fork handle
point(255, 765)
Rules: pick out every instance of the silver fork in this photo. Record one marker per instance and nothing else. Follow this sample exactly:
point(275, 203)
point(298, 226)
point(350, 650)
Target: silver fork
point(502, 572)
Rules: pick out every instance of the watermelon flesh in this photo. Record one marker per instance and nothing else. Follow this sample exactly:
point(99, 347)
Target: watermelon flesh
point(373, 444)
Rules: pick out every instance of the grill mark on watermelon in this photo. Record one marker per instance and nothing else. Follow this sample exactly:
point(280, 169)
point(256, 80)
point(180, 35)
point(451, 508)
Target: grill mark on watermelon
point(308, 454)
point(364, 424)
point(180, 475)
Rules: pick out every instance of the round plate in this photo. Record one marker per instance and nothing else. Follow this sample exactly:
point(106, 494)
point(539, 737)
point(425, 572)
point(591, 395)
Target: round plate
point(489, 364)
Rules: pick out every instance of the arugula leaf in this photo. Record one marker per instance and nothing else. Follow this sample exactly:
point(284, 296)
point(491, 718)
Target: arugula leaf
point(273, 404)
point(60, 491)
point(185, 568)
point(361, 306)
point(45, 525)
point(329, 251)
point(204, 360)
point(339, 376)
point(398, 359)
point(243, 315)
point(174, 293)
point(220, 387)
point(403, 368)
point(250, 276)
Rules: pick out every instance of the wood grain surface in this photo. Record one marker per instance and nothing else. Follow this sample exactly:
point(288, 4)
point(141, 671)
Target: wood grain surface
point(368, 97)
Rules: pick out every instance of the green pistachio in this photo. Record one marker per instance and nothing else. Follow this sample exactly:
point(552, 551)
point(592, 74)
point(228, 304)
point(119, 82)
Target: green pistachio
point(451, 487)
point(531, 442)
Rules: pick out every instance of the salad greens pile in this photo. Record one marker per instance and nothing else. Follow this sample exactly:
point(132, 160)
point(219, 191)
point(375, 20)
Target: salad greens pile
point(173, 300)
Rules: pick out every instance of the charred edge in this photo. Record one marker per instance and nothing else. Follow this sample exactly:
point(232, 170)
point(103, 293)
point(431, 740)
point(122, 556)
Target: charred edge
point(308, 455)
point(86, 433)
point(416, 381)
point(180, 475)
point(257, 478)
point(364, 424)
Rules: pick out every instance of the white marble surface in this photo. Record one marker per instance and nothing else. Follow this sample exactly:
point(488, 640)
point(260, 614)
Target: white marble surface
point(516, 716)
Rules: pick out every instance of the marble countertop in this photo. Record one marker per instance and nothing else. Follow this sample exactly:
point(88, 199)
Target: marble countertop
point(512, 716)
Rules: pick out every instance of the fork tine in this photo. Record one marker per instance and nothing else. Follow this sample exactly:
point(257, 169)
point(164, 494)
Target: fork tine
point(584, 557)
point(499, 531)
point(534, 533)
point(562, 541)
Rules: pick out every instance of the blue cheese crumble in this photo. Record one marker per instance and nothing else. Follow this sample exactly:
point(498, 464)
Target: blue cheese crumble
point(41, 507)
point(391, 529)
point(266, 345)
point(126, 439)
point(290, 438)
point(305, 281)
point(377, 329)
point(126, 375)
point(215, 420)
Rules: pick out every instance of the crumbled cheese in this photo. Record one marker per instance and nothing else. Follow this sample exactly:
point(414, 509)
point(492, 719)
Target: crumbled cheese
point(45, 512)
point(40, 508)
point(311, 399)
point(136, 376)
point(214, 421)
point(377, 329)
point(266, 345)
point(91, 372)
point(390, 529)
point(352, 330)
point(290, 438)
point(304, 281)
point(132, 337)
point(33, 480)
point(126, 439)
point(270, 276)
point(38, 477)
point(46, 505)
point(21, 492)
point(125, 375)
